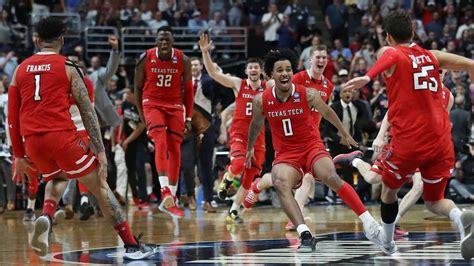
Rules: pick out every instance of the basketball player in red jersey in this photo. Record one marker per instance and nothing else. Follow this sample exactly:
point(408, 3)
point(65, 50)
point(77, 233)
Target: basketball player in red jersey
point(311, 78)
point(298, 146)
point(420, 127)
point(373, 174)
point(159, 78)
point(244, 90)
point(39, 114)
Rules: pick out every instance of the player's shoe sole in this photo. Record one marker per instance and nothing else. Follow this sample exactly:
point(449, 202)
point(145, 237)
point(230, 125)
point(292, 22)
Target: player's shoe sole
point(59, 216)
point(346, 159)
point(467, 244)
point(167, 202)
point(40, 241)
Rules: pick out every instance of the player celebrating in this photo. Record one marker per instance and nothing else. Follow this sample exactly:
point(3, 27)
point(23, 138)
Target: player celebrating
point(39, 113)
point(298, 147)
point(311, 78)
point(245, 90)
point(420, 127)
point(159, 78)
point(373, 174)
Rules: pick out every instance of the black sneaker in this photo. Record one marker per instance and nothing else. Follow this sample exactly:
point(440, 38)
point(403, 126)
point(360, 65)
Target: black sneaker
point(346, 159)
point(224, 187)
point(85, 211)
point(139, 251)
point(308, 243)
point(29, 216)
point(233, 217)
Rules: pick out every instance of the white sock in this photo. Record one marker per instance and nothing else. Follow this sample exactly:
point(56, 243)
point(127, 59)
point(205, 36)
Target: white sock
point(367, 218)
point(455, 216)
point(84, 199)
point(173, 190)
point(164, 181)
point(356, 161)
point(397, 220)
point(234, 207)
point(389, 230)
point(301, 228)
point(31, 204)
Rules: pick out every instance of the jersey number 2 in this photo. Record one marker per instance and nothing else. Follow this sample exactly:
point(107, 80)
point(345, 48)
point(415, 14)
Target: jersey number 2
point(37, 96)
point(248, 109)
point(287, 128)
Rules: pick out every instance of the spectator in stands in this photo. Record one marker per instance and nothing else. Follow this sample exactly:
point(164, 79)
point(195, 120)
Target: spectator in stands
point(235, 13)
point(271, 21)
point(20, 11)
point(463, 183)
point(468, 24)
point(308, 32)
point(451, 47)
point(9, 37)
point(363, 29)
point(146, 14)
point(127, 12)
point(197, 24)
point(336, 19)
point(305, 57)
point(177, 20)
point(5, 162)
point(379, 102)
point(419, 30)
point(435, 26)
point(460, 120)
point(217, 25)
point(157, 22)
point(467, 43)
point(341, 54)
point(188, 9)
point(367, 52)
point(286, 34)
point(8, 64)
point(451, 18)
point(343, 76)
point(256, 9)
point(298, 14)
point(72, 6)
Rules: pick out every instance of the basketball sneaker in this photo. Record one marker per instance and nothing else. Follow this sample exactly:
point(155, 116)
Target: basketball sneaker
point(174, 211)
point(41, 232)
point(233, 217)
point(375, 233)
point(85, 211)
point(252, 195)
point(139, 251)
point(29, 216)
point(467, 243)
point(308, 243)
point(399, 232)
point(346, 159)
point(59, 216)
point(167, 199)
point(224, 187)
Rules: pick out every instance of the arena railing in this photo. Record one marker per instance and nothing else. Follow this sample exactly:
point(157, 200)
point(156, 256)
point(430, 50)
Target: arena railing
point(231, 42)
point(97, 40)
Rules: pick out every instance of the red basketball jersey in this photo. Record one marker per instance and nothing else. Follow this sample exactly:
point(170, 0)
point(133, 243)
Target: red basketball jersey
point(291, 122)
point(446, 94)
point(323, 86)
point(164, 79)
point(243, 111)
point(418, 118)
point(44, 90)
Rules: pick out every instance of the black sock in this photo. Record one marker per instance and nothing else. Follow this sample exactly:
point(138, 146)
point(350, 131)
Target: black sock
point(389, 212)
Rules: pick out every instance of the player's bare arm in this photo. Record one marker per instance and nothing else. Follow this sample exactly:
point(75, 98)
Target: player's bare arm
point(226, 116)
point(315, 101)
point(89, 117)
point(454, 62)
point(135, 134)
point(227, 81)
point(255, 128)
point(139, 82)
point(188, 93)
point(450, 102)
point(380, 140)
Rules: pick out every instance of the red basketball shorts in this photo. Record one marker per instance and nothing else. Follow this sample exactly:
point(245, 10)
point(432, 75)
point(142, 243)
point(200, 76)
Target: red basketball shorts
point(60, 151)
point(170, 118)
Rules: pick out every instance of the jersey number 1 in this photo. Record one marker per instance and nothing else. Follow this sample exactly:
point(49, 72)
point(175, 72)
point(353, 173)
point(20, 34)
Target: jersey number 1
point(37, 96)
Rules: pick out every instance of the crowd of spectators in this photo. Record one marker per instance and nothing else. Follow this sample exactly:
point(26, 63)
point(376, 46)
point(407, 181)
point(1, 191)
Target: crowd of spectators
point(351, 29)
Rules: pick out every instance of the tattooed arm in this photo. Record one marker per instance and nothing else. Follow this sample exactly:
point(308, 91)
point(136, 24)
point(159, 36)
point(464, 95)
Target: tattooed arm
point(255, 128)
point(88, 115)
point(315, 101)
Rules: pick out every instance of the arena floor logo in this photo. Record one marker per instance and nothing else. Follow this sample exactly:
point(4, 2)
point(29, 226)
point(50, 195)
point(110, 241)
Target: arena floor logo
point(343, 247)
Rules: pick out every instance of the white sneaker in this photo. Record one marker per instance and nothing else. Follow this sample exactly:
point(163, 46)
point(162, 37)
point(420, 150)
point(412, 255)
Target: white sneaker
point(59, 216)
point(140, 251)
point(40, 239)
point(389, 248)
point(374, 232)
point(467, 243)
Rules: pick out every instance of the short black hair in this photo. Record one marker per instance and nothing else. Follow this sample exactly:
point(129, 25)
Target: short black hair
point(50, 28)
point(398, 25)
point(165, 28)
point(278, 55)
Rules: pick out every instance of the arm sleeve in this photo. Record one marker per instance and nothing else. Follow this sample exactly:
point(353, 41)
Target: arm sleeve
point(188, 98)
point(383, 63)
point(112, 66)
point(14, 122)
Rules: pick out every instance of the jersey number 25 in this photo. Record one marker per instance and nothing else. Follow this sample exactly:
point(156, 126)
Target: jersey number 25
point(422, 80)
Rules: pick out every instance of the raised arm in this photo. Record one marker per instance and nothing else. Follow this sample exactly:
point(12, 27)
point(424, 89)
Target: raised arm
point(113, 63)
point(227, 81)
point(454, 62)
point(139, 83)
point(88, 115)
point(315, 101)
point(255, 128)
